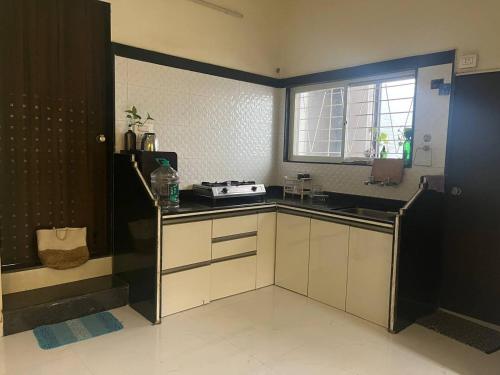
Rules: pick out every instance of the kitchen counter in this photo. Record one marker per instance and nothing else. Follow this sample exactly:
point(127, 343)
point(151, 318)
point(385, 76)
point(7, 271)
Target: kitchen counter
point(191, 206)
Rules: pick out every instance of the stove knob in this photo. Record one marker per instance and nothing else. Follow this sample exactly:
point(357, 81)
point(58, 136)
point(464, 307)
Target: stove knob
point(254, 188)
point(224, 191)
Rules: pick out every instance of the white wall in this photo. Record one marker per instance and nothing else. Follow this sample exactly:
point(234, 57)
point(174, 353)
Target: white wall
point(183, 28)
point(306, 36)
point(431, 117)
point(319, 35)
point(221, 129)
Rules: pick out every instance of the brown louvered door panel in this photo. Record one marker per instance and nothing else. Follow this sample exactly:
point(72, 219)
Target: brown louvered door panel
point(55, 101)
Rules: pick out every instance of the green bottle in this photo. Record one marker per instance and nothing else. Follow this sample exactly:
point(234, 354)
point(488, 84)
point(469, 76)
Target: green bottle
point(165, 184)
point(408, 134)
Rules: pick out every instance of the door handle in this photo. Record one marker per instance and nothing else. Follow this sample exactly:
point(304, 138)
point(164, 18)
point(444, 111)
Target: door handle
point(456, 191)
point(101, 138)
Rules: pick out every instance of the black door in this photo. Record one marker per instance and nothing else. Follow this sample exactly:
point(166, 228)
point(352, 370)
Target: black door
point(471, 263)
point(55, 102)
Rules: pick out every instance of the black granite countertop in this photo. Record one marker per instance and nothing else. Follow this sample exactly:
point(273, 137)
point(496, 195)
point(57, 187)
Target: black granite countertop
point(334, 203)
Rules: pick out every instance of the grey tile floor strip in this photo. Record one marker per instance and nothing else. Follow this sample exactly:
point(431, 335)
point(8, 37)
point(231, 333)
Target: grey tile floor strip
point(482, 338)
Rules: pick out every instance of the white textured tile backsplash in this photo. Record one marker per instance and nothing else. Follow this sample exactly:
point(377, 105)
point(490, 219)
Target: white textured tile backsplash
point(220, 128)
point(226, 129)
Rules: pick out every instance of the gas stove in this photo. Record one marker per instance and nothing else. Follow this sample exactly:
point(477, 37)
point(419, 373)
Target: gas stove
point(229, 189)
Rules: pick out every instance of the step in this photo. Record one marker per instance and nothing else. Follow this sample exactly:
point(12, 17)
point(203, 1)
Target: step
point(26, 310)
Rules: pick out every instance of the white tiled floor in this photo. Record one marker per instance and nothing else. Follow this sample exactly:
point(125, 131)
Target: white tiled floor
point(269, 331)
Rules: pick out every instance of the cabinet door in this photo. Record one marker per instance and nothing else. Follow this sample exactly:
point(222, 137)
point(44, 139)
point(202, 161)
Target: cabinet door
point(292, 252)
point(186, 243)
point(266, 248)
point(329, 247)
point(232, 277)
point(184, 290)
point(369, 275)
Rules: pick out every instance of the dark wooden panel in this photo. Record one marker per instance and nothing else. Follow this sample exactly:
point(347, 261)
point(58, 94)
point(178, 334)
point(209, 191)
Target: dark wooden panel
point(55, 100)
point(471, 273)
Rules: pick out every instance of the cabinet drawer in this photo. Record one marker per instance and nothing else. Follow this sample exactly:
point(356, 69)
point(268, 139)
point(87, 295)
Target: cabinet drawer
point(184, 290)
point(233, 247)
point(234, 225)
point(232, 277)
point(186, 243)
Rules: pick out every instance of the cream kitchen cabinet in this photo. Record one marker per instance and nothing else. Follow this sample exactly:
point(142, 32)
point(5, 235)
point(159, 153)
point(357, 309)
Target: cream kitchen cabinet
point(232, 277)
point(329, 248)
point(369, 275)
point(215, 258)
point(234, 247)
point(186, 243)
point(234, 237)
point(234, 225)
point(185, 290)
point(338, 264)
point(266, 248)
point(292, 252)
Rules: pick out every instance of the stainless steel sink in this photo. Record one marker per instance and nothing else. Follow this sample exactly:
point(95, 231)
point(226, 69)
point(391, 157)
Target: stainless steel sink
point(369, 213)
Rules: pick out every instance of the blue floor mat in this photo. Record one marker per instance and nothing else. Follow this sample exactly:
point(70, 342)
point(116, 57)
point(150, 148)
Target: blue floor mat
point(54, 335)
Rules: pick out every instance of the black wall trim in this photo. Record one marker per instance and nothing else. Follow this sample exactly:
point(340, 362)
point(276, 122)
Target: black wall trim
point(383, 67)
point(193, 65)
point(377, 68)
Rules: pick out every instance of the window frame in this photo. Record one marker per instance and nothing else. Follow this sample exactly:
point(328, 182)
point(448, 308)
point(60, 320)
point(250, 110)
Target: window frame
point(291, 116)
point(289, 155)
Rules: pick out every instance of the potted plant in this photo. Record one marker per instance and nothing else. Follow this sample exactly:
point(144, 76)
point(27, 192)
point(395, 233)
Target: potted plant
point(382, 139)
point(135, 125)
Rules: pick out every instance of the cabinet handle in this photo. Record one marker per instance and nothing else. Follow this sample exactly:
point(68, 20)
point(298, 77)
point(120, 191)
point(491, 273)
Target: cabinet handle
point(456, 191)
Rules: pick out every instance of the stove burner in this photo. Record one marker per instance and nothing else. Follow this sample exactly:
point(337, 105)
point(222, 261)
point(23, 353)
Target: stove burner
point(230, 189)
point(228, 183)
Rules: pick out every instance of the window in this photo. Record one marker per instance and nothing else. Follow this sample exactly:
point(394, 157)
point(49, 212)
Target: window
point(352, 120)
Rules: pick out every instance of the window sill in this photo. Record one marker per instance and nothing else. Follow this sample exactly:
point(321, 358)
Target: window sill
point(361, 163)
point(357, 162)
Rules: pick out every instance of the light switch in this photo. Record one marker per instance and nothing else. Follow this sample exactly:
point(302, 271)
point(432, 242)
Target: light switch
point(467, 61)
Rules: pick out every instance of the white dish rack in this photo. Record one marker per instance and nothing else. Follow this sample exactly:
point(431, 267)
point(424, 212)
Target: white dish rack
point(297, 186)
